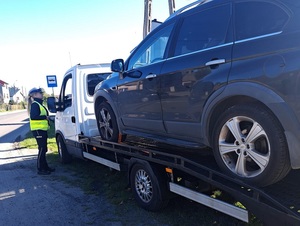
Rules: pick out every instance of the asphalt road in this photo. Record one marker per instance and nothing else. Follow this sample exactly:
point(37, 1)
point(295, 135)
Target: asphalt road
point(30, 199)
point(13, 125)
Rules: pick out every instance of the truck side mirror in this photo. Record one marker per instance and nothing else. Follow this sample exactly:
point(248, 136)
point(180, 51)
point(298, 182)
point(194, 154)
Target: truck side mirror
point(51, 103)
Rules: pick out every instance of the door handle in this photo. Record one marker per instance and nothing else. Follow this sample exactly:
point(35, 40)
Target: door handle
point(215, 62)
point(151, 76)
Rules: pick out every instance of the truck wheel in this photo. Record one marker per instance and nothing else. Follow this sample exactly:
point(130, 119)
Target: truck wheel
point(249, 144)
point(107, 123)
point(149, 187)
point(63, 153)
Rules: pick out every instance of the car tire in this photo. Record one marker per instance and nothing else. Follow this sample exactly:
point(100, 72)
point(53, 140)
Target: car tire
point(107, 123)
point(63, 153)
point(249, 144)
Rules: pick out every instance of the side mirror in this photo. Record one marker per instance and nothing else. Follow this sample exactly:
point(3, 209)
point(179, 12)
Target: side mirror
point(51, 103)
point(117, 65)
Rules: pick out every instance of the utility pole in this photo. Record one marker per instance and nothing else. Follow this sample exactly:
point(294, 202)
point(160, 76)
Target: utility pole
point(148, 15)
point(171, 7)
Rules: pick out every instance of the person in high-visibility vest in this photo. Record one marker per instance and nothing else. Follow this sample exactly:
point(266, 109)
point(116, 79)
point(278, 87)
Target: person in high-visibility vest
point(39, 125)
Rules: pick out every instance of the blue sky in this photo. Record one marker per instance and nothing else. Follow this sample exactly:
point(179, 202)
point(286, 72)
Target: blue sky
point(47, 37)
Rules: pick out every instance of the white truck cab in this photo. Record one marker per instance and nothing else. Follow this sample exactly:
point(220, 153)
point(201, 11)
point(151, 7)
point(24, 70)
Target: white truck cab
point(74, 107)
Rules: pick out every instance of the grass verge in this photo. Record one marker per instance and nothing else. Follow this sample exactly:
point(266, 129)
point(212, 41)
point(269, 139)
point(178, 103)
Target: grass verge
point(30, 142)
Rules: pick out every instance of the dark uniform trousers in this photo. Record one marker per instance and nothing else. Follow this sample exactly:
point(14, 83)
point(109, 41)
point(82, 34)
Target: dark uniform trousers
point(41, 137)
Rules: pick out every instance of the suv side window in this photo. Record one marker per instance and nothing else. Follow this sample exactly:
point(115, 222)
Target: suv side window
point(267, 19)
point(203, 30)
point(152, 50)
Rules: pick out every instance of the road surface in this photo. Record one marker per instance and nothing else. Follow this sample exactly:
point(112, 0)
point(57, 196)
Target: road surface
point(30, 199)
point(13, 125)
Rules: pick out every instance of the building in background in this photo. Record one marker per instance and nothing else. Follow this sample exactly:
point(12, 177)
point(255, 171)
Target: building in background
point(4, 92)
point(11, 94)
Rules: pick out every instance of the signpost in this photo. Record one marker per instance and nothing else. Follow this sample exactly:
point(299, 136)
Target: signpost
point(51, 82)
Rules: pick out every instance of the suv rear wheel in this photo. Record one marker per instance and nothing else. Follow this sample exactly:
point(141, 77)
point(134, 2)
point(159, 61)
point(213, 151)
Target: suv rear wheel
point(250, 144)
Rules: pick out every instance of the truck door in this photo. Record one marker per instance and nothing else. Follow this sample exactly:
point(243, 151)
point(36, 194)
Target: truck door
point(65, 116)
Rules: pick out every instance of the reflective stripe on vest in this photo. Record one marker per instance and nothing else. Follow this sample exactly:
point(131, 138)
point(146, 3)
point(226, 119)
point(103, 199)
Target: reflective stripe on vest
point(39, 124)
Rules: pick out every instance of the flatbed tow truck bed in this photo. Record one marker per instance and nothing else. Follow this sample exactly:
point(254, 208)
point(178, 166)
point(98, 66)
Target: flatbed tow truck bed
point(278, 204)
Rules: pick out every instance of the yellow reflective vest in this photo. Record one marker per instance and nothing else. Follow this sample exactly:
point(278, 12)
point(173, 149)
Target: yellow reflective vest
point(39, 124)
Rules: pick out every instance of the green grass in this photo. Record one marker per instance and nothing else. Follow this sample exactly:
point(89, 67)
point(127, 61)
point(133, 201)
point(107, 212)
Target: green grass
point(96, 179)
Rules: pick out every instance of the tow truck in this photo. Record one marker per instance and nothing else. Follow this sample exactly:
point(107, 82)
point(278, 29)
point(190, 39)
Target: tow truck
point(157, 171)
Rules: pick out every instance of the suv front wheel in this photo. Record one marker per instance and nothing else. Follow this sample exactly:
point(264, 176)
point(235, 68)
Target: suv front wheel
point(249, 143)
point(106, 122)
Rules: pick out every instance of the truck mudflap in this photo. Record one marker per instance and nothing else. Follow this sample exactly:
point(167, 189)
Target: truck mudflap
point(277, 204)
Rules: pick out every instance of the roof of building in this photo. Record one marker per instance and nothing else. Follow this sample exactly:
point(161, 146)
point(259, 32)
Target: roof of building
point(2, 83)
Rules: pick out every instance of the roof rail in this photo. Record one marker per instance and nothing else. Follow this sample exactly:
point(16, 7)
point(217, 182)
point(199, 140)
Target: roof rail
point(187, 7)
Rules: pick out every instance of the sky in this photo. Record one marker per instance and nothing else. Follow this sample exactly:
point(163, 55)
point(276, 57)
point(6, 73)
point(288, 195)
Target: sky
point(40, 38)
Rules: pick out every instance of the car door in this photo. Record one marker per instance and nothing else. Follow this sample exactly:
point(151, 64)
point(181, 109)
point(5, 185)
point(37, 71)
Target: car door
point(199, 65)
point(138, 100)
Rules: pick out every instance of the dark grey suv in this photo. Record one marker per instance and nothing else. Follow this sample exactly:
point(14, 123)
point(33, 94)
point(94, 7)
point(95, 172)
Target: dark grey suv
point(224, 74)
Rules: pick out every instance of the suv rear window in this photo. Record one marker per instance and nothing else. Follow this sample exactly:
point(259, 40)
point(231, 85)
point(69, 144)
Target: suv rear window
point(203, 30)
point(267, 19)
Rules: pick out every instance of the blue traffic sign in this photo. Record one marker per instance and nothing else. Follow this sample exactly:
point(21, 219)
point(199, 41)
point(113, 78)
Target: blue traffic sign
point(51, 80)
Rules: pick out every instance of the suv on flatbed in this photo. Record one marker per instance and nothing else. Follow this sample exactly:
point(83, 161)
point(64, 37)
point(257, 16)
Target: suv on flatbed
point(219, 73)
